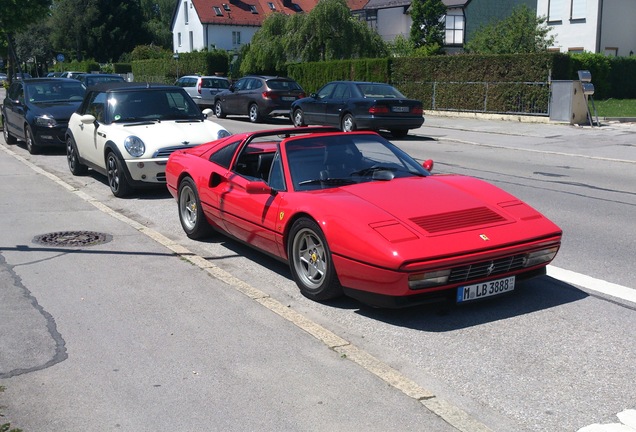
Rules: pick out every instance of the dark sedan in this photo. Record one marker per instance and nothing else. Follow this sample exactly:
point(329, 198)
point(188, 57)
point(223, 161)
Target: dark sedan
point(37, 111)
point(351, 105)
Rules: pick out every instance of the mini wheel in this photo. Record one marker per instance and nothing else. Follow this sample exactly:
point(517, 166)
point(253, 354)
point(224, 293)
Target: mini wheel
point(116, 177)
point(72, 156)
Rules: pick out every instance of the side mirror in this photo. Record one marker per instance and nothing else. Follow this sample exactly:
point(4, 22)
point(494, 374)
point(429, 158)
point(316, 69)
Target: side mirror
point(207, 112)
point(428, 165)
point(87, 119)
point(258, 188)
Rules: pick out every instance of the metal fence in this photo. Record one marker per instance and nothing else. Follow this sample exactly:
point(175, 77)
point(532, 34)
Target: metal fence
point(525, 98)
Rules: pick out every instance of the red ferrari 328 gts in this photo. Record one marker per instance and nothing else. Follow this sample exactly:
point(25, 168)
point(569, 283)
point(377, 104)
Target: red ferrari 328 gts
point(353, 214)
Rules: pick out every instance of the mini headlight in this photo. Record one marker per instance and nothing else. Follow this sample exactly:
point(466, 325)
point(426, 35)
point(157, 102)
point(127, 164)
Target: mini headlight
point(135, 146)
point(45, 121)
point(540, 256)
point(428, 280)
point(222, 134)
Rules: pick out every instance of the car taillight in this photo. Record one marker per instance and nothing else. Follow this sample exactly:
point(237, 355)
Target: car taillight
point(199, 87)
point(418, 111)
point(269, 95)
point(378, 109)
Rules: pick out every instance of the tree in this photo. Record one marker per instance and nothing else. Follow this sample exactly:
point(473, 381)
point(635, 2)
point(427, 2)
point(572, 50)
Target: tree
point(427, 27)
point(158, 19)
point(270, 57)
point(521, 32)
point(34, 43)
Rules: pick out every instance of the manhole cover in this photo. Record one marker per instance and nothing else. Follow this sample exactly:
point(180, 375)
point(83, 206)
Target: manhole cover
point(73, 238)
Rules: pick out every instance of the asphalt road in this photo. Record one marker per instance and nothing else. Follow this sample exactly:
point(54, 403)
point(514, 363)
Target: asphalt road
point(554, 356)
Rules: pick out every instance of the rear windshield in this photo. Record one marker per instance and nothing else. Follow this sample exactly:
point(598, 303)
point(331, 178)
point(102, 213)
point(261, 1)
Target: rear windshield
point(380, 91)
point(215, 83)
point(279, 84)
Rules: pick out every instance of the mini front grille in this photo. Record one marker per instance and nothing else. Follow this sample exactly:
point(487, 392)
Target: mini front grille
point(458, 220)
point(486, 268)
point(167, 151)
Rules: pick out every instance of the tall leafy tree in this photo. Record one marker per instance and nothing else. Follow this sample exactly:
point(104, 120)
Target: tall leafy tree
point(428, 26)
point(157, 20)
point(521, 32)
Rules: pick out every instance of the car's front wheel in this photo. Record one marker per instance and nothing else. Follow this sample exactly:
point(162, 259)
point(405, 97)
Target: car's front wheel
point(348, 123)
point(191, 215)
point(299, 118)
point(218, 110)
point(255, 115)
point(31, 145)
point(116, 177)
point(311, 263)
point(72, 156)
point(8, 138)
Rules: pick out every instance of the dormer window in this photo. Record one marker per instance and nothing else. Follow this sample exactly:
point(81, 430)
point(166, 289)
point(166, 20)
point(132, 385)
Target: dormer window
point(271, 5)
point(253, 9)
point(226, 7)
point(217, 11)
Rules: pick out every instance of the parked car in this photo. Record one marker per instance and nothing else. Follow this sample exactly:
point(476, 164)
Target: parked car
point(22, 75)
point(54, 75)
point(89, 80)
point(352, 213)
point(352, 105)
point(37, 110)
point(3, 78)
point(258, 97)
point(126, 131)
point(70, 74)
point(203, 88)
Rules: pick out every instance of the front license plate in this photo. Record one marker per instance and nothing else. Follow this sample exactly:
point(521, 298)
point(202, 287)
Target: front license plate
point(400, 109)
point(485, 289)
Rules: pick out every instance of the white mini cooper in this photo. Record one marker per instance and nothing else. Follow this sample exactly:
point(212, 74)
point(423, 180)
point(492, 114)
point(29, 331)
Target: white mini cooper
point(126, 131)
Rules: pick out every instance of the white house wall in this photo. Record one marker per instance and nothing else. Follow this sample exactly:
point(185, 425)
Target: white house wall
point(572, 33)
point(618, 31)
point(393, 22)
point(221, 37)
point(187, 34)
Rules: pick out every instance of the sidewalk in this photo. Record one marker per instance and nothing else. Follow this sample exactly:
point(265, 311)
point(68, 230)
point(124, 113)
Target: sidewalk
point(110, 329)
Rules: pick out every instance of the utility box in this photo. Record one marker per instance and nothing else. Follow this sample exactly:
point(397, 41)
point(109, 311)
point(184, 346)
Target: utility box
point(568, 102)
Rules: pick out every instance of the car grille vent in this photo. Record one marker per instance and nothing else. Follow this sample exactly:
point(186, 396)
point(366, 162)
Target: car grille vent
point(486, 268)
point(457, 220)
point(167, 151)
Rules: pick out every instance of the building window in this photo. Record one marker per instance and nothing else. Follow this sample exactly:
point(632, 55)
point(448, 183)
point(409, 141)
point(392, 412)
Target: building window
point(185, 12)
point(191, 41)
point(578, 9)
point(611, 51)
point(372, 18)
point(253, 9)
point(178, 39)
point(236, 38)
point(217, 11)
point(454, 30)
point(226, 7)
point(271, 6)
point(555, 10)
point(576, 50)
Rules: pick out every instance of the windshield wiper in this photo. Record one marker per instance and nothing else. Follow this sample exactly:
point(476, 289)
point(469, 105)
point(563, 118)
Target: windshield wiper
point(331, 181)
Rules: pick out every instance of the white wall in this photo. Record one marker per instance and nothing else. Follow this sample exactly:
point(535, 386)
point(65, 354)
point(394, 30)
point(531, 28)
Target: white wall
point(618, 28)
point(572, 33)
point(220, 37)
point(393, 22)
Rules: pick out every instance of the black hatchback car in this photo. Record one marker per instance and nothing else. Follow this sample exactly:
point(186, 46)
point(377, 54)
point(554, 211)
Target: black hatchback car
point(352, 105)
point(37, 111)
point(258, 97)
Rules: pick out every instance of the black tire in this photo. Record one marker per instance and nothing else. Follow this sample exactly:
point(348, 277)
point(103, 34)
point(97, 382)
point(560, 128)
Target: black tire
point(311, 263)
point(348, 123)
point(72, 156)
point(298, 118)
point(191, 216)
point(399, 133)
point(8, 138)
point(117, 182)
point(254, 114)
point(31, 145)
point(218, 110)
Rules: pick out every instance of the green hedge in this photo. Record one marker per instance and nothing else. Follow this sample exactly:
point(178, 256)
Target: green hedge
point(168, 70)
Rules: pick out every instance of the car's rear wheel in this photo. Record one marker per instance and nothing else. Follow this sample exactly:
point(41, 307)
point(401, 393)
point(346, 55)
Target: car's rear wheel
point(311, 263)
point(299, 118)
point(348, 123)
point(8, 138)
point(31, 145)
point(116, 177)
point(72, 156)
point(218, 110)
point(191, 215)
point(255, 116)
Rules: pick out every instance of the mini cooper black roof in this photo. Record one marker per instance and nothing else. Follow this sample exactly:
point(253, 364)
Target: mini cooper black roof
point(117, 86)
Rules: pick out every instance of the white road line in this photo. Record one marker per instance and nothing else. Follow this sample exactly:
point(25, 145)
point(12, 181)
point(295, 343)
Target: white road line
point(593, 284)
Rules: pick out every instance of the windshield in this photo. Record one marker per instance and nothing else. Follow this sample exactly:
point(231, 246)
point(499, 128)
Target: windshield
point(152, 105)
point(337, 160)
point(54, 91)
